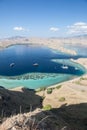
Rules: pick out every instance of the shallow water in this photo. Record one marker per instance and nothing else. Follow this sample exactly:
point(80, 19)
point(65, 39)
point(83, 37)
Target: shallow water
point(35, 66)
point(80, 49)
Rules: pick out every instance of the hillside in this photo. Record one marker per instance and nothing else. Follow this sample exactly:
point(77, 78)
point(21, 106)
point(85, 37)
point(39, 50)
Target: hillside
point(14, 101)
point(63, 108)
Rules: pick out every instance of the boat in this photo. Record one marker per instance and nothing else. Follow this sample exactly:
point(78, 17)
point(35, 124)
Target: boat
point(76, 68)
point(35, 64)
point(12, 64)
point(65, 67)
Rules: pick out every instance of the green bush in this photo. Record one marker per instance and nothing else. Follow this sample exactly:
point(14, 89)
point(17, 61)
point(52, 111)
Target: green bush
point(41, 89)
point(49, 90)
point(59, 86)
point(43, 97)
point(47, 107)
point(62, 99)
point(78, 82)
point(83, 78)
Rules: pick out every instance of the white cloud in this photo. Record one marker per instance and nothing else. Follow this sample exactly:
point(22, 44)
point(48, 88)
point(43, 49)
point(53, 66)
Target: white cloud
point(54, 29)
point(19, 28)
point(80, 24)
point(77, 28)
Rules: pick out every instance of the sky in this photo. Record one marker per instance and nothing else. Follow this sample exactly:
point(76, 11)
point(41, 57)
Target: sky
point(43, 18)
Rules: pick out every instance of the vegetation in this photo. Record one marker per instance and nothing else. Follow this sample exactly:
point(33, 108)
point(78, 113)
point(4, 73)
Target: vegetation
point(62, 99)
point(41, 89)
point(47, 107)
point(38, 122)
point(78, 82)
point(83, 78)
point(59, 86)
point(49, 90)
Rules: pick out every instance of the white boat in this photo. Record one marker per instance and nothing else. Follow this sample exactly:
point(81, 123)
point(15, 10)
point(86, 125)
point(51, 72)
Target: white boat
point(65, 67)
point(35, 64)
point(12, 64)
point(76, 68)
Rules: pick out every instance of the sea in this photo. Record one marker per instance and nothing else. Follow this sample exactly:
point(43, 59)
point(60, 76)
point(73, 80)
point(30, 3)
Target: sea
point(34, 66)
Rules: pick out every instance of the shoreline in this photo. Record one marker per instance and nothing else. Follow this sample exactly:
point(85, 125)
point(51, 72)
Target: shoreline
point(70, 94)
point(54, 44)
point(20, 82)
point(79, 61)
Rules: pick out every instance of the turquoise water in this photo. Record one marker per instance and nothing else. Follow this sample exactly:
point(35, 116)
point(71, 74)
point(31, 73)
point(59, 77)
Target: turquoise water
point(48, 72)
point(31, 83)
point(80, 49)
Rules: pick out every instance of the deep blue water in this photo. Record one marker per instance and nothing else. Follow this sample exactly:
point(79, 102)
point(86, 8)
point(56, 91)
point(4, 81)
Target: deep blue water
point(48, 72)
point(25, 56)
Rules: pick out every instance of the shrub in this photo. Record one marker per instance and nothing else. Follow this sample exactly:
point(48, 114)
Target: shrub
point(62, 99)
point(41, 89)
point(49, 90)
point(43, 97)
point(59, 86)
point(47, 107)
point(78, 82)
point(83, 78)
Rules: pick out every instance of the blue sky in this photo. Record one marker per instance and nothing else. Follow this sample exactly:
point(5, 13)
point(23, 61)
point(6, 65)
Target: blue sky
point(43, 18)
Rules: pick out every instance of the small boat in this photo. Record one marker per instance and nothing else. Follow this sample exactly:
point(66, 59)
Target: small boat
point(76, 68)
point(35, 64)
point(12, 64)
point(65, 67)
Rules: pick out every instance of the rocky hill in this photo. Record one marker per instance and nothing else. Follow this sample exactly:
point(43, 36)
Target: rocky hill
point(61, 108)
point(19, 100)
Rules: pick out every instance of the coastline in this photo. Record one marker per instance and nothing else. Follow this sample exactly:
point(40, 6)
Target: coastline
point(53, 43)
point(81, 61)
point(56, 44)
point(72, 93)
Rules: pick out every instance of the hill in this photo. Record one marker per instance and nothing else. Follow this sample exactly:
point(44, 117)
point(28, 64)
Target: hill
point(62, 107)
point(17, 100)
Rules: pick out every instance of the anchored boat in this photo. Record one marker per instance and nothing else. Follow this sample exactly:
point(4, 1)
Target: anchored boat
point(35, 64)
point(12, 64)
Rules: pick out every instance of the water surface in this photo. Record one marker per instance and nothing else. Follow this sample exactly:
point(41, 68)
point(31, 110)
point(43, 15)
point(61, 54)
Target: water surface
point(35, 66)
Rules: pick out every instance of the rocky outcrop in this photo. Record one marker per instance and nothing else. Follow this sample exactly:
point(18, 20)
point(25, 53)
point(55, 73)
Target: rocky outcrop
point(22, 100)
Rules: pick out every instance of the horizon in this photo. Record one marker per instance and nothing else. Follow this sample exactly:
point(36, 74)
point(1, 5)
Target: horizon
point(55, 18)
point(54, 37)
